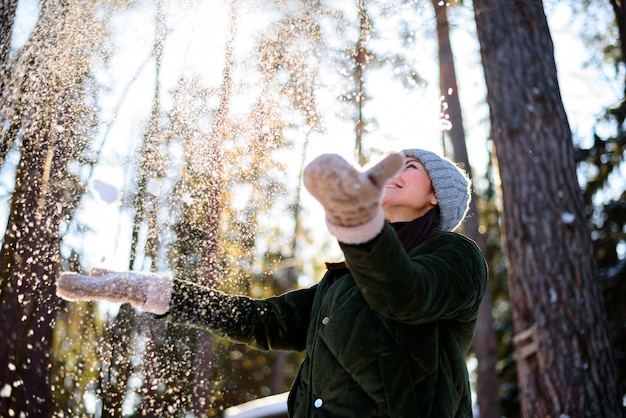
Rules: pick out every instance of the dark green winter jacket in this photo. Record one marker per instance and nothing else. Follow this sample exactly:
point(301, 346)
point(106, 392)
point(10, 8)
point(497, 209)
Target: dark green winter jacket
point(386, 338)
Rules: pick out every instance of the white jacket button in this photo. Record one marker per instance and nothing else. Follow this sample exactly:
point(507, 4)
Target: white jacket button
point(318, 403)
point(325, 320)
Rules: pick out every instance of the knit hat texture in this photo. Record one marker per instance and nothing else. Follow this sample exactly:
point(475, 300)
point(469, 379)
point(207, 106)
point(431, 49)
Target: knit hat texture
point(451, 185)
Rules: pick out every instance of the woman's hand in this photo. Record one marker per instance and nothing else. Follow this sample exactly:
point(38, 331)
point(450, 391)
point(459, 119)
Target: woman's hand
point(350, 197)
point(149, 292)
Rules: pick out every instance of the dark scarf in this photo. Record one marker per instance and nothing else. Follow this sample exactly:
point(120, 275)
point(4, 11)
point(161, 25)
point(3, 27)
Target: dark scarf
point(411, 234)
point(418, 231)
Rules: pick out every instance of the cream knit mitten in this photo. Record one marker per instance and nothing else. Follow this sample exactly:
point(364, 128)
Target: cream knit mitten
point(150, 292)
point(351, 198)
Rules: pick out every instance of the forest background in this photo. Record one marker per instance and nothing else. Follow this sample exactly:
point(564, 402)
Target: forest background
point(169, 136)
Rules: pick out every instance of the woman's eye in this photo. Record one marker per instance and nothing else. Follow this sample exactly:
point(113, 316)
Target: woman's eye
point(411, 166)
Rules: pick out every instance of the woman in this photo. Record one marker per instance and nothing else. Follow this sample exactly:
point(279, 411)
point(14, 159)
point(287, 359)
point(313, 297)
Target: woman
point(385, 333)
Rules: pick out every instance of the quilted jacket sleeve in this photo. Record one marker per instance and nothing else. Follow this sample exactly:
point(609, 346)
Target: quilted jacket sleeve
point(278, 323)
point(444, 278)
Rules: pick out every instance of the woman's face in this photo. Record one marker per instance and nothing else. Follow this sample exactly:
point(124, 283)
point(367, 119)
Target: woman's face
point(410, 194)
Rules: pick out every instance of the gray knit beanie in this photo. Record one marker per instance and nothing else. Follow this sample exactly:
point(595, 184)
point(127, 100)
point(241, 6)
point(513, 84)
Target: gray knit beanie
point(451, 185)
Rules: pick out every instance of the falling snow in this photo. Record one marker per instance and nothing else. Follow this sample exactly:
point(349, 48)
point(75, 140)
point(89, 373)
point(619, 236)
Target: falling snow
point(181, 128)
point(568, 218)
point(107, 192)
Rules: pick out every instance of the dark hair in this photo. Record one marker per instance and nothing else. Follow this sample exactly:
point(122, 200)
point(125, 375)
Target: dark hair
point(419, 230)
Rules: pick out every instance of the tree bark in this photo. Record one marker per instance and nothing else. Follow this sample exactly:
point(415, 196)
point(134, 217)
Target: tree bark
point(362, 58)
point(562, 346)
point(48, 92)
point(8, 8)
point(27, 265)
point(485, 343)
point(619, 10)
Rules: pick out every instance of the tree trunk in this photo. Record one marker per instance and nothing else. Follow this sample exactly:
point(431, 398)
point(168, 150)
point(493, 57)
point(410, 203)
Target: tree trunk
point(28, 262)
point(361, 60)
point(48, 93)
point(619, 10)
point(115, 368)
point(8, 9)
point(562, 346)
point(485, 342)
